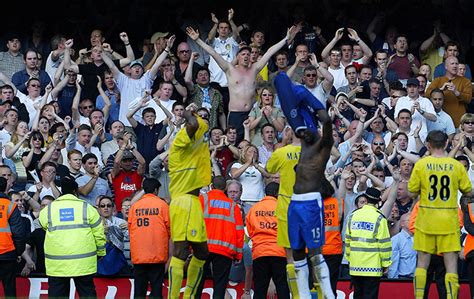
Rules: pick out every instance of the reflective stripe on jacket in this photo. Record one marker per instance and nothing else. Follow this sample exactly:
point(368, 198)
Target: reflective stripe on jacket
point(368, 243)
point(469, 245)
point(6, 240)
point(333, 215)
point(74, 237)
point(224, 224)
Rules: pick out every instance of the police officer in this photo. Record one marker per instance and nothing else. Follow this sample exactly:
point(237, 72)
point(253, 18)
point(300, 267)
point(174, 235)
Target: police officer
point(368, 246)
point(74, 239)
point(12, 240)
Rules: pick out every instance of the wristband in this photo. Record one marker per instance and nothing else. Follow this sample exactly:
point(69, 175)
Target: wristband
point(127, 44)
point(112, 52)
point(167, 51)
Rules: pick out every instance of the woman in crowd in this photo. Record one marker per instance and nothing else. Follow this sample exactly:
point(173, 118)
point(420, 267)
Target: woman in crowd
point(265, 113)
point(14, 150)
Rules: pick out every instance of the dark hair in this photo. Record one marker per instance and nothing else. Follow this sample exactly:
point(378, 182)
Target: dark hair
point(462, 158)
point(6, 86)
point(452, 44)
point(281, 52)
point(3, 184)
point(437, 139)
point(148, 110)
point(382, 51)
point(309, 68)
point(177, 104)
point(396, 85)
point(436, 90)
point(400, 35)
point(271, 189)
point(216, 128)
point(89, 156)
point(84, 127)
point(199, 69)
point(326, 189)
point(31, 79)
point(219, 182)
point(150, 185)
point(37, 134)
point(230, 127)
point(96, 109)
point(404, 111)
point(348, 67)
point(68, 185)
point(55, 127)
point(374, 80)
point(48, 163)
point(266, 125)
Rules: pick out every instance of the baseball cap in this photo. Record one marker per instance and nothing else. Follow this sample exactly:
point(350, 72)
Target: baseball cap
point(157, 35)
point(135, 62)
point(11, 36)
point(413, 81)
point(245, 48)
point(127, 154)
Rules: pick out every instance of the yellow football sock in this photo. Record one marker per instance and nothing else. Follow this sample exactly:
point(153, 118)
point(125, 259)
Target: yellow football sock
point(175, 275)
point(194, 276)
point(420, 282)
point(292, 284)
point(452, 285)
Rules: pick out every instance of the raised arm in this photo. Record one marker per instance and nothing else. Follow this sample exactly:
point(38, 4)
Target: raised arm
point(386, 209)
point(162, 57)
point(107, 102)
point(328, 77)
point(327, 50)
point(7, 80)
point(75, 104)
point(188, 75)
point(192, 124)
point(426, 45)
point(212, 33)
point(130, 54)
point(374, 26)
point(235, 30)
point(365, 49)
point(194, 35)
point(58, 83)
point(108, 61)
point(290, 33)
point(68, 64)
point(142, 103)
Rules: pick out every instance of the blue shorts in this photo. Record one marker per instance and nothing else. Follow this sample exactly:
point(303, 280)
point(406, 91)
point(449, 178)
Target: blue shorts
point(297, 103)
point(306, 221)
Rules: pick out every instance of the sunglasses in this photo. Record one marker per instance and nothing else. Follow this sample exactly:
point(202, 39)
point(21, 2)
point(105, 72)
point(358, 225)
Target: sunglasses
point(310, 75)
point(468, 123)
point(87, 107)
point(267, 95)
point(379, 143)
point(35, 85)
point(36, 138)
point(184, 51)
point(106, 206)
point(165, 65)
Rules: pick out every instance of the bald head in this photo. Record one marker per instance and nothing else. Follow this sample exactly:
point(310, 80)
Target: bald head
point(404, 220)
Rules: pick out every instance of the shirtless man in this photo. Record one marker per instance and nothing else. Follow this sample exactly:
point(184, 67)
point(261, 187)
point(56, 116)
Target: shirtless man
point(241, 77)
point(305, 213)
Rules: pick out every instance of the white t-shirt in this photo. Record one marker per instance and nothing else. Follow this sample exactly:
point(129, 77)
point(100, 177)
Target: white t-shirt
point(319, 93)
point(227, 49)
point(130, 89)
point(339, 77)
point(425, 104)
point(252, 183)
point(160, 115)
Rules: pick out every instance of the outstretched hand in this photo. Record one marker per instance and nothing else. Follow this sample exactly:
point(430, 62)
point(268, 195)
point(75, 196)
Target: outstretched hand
point(193, 34)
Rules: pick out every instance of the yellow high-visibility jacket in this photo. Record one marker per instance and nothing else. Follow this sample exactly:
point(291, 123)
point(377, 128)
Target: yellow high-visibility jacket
point(368, 243)
point(74, 237)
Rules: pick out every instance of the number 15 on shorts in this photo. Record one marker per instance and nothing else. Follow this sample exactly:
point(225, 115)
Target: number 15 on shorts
point(316, 234)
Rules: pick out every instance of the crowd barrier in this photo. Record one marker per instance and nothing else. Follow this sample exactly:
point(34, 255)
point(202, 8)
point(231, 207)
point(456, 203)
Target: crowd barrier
point(122, 287)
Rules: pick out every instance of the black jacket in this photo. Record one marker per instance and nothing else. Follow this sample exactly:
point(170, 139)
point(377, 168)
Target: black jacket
point(17, 227)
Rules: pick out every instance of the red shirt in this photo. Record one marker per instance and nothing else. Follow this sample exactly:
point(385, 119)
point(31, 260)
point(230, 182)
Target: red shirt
point(225, 157)
point(125, 183)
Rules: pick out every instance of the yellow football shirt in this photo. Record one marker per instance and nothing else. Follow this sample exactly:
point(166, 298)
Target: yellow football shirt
point(189, 161)
point(438, 181)
point(284, 160)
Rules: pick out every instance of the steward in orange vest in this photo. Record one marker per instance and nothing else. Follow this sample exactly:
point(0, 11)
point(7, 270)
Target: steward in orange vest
point(225, 235)
point(12, 240)
point(468, 211)
point(269, 259)
point(333, 221)
point(149, 228)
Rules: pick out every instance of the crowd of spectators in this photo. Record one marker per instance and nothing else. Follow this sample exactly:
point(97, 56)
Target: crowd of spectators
point(66, 111)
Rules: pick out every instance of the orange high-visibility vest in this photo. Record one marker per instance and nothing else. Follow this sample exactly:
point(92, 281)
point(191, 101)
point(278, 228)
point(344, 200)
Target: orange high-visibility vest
point(469, 245)
point(224, 224)
point(149, 228)
point(333, 213)
point(262, 228)
point(6, 241)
